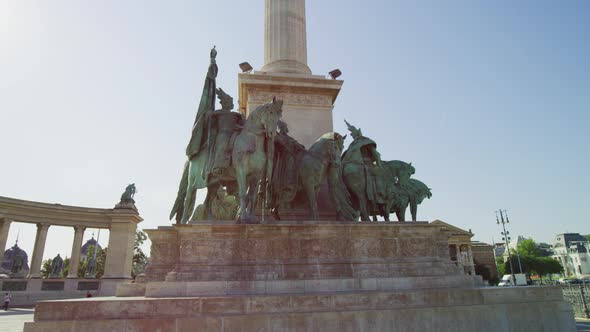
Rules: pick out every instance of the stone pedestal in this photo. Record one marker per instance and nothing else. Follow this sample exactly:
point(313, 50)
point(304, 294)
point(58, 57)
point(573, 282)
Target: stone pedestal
point(291, 276)
point(308, 100)
point(121, 241)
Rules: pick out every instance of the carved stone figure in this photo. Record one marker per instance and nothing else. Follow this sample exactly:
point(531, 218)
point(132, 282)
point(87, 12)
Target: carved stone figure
point(129, 193)
point(18, 263)
point(57, 267)
point(15, 262)
point(90, 268)
point(127, 201)
point(223, 207)
point(361, 169)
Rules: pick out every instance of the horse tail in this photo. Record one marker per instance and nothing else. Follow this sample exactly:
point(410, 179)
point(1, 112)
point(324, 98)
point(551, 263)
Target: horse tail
point(178, 207)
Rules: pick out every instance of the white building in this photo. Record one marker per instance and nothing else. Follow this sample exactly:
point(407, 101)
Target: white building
point(572, 251)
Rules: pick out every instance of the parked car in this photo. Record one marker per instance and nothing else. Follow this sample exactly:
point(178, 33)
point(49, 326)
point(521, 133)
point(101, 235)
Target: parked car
point(564, 281)
point(507, 280)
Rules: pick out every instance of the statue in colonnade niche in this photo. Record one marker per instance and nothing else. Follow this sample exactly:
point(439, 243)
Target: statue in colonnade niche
point(18, 265)
point(57, 267)
point(90, 268)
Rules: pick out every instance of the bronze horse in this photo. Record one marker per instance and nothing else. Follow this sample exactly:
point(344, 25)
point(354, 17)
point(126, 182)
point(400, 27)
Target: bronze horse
point(248, 166)
point(314, 166)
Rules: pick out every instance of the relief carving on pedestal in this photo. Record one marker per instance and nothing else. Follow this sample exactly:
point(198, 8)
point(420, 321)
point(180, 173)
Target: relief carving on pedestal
point(290, 98)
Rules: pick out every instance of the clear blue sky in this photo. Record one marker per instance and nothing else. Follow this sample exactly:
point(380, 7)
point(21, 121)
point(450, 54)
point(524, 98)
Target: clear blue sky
point(489, 100)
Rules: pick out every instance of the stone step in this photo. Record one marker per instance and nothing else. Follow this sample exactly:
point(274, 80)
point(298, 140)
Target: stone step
point(552, 316)
point(311, 271)
point(193, 307)
point(261, 287)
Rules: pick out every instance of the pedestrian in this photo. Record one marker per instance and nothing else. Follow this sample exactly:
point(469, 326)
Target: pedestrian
point(6, 301)
point(88, 294)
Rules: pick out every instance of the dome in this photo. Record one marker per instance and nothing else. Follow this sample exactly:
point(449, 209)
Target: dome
point(9, 256)
point(86, 247)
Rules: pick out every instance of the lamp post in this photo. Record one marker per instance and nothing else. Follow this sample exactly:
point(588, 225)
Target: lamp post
point(517, 253)
point(506, 239)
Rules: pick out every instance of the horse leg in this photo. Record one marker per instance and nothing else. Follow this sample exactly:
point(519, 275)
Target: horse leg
point(401, 214)
point(363, 206)
point(383, 212)
point(414, 210)
point(242, 192)
point(313, 203)
point(211, 192)
point(275, 212)
point(253, 195)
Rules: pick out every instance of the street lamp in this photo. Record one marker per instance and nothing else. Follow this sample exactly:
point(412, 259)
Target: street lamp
point(517, 252)
point(506, 239)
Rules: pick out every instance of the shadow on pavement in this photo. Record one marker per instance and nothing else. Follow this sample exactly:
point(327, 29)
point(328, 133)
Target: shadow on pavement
point(17, 311)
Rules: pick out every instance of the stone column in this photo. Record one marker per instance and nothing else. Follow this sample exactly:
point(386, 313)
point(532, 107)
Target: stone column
point(120, 250)
point(285, 37)
point(4, 228)
point(459, 258)
point(37, 260)
point(470, 262)
point(76, 247)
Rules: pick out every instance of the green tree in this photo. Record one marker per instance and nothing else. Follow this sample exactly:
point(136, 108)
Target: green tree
point(100, 260)
point(46, 268)
point(528, 247)
point(500, 265)
point(546, 265)
point(66, 267)
point(587, 237)
point(140, 260)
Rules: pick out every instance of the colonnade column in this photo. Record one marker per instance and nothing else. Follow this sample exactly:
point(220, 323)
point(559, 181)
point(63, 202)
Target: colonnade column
point(470, 261)
point(4, 228)
point(40, 239)
point(460, 258)
point(76, 246)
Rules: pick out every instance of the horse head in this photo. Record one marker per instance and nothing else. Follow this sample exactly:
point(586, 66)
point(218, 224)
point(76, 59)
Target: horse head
point(330, 146)
point(336, 149)
point(270, 117)
point(400, 170)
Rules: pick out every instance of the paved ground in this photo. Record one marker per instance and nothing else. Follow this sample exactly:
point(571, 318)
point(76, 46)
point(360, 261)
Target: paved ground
point(14, 319)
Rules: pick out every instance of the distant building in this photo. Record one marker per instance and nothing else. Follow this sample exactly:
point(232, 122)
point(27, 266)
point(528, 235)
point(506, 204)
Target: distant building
point(572, 251)
point(485, 260)
point(10, 255)
point(459, 246)
point(513, 246)
point(86, 247)
point(499, 249)
point(472, 256)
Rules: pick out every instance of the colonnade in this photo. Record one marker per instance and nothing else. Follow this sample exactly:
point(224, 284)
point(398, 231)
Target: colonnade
point(121, 222)
point(466, 260)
